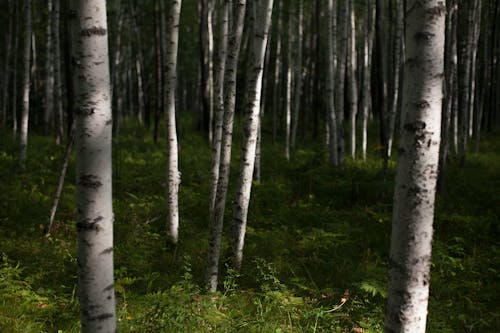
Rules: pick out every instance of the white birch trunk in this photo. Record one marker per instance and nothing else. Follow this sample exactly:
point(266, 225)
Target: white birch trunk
point(288, 109)
point(298, 76)
point(58, 107)
point(49, 68)
point(472, 86)
point(219, 101)
point(173, 174)
point(398, 54)
point(252, 117)
point(14, 73)
point(93, 166)
point(416, 175)
point(7, 69)
point(366, 101)
point(217, 219)
point(351, 77)
point(340, 77)
point(277, 72)
point(332, 59)
point(26, 85)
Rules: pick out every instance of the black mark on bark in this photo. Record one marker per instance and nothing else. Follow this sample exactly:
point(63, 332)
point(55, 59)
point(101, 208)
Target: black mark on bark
point(90, 181)
point(99, 31)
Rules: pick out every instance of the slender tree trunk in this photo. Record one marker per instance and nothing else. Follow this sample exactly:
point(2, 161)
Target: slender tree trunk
point(159, 69)
point(449, 85)
point(206, 67)
point(473, 65)
point(351, 77)
point(316, 73)
point(14, 75)
point(340, 76)
point(219, 101)
point(381, 72)
point(464, 65)
point(277, 72)
point(265, 84)
point(252, 118)
point(217, 219)
point(93, 166)
point(60, 184)
point(366, 101)
point(26, 85)
point(117, 98)
point(173, 174)
point(57, 74)
point(289, 78)
point(416, 174)
point(332, 59)
point(396, 77)
point(49, 68)
point(485, 80)
point(298, 75)
point(7, 68)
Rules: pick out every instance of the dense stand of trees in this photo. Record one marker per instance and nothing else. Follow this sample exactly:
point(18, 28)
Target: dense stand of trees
point(325, 70)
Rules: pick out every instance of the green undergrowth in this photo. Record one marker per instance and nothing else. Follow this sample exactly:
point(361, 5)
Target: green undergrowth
point(315, 251)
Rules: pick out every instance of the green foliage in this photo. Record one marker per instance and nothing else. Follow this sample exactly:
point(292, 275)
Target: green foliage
point(315, 251)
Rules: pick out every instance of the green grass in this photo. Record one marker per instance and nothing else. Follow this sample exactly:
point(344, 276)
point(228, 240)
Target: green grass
point(315, 251)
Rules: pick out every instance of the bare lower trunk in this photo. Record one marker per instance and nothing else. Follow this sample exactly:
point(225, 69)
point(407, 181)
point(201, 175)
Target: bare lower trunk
point(49, 69)
point(26, 85)
point(217, 219)
point(366, 97)
point(7, 68)
point(60, 184)
point(340, 77)
point(58, 106)
point(332, 59)
point(252, 118)
point(277, 73)
point(173, 174)
point(93, 139)
point(398, 43)
point(351, 77)
point(298, 76)
point(14, 73)
point(159, 69)
point(219, 101)
point(416, 175)
point(289, 77)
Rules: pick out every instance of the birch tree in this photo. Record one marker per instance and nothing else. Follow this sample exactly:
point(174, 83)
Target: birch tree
point(289, 78)
point(217, 218)
point(7, 68)
point(277, 72)
point(252, 118)
point(416, 173)
point(93, 166)
point(332, 119)
point(340, 77)
point(173, 174)
point(26, 85)
point(351, 77)
point(298, 75)
point(366, 96)
point(49, 70)
point(219, 100)
point(58, 107)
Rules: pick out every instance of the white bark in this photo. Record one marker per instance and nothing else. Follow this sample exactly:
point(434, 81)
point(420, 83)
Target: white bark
point(93, 166)
point(288, 109)
point(398, 54)
point(366, 101)
point(14, 73)
point(298, 76)
point(58, 107)
point(26, 85)
point(332, 55)
point(340, 77)
point(173, 174)
point(7, 68)
point(49, 68)
point(416, 175)
point(219, 101)
point(351, 77)
point(217, 219)
point(252, 119)
point(277, 72)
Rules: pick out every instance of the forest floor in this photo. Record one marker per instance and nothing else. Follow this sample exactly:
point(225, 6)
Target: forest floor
point(315, 251)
